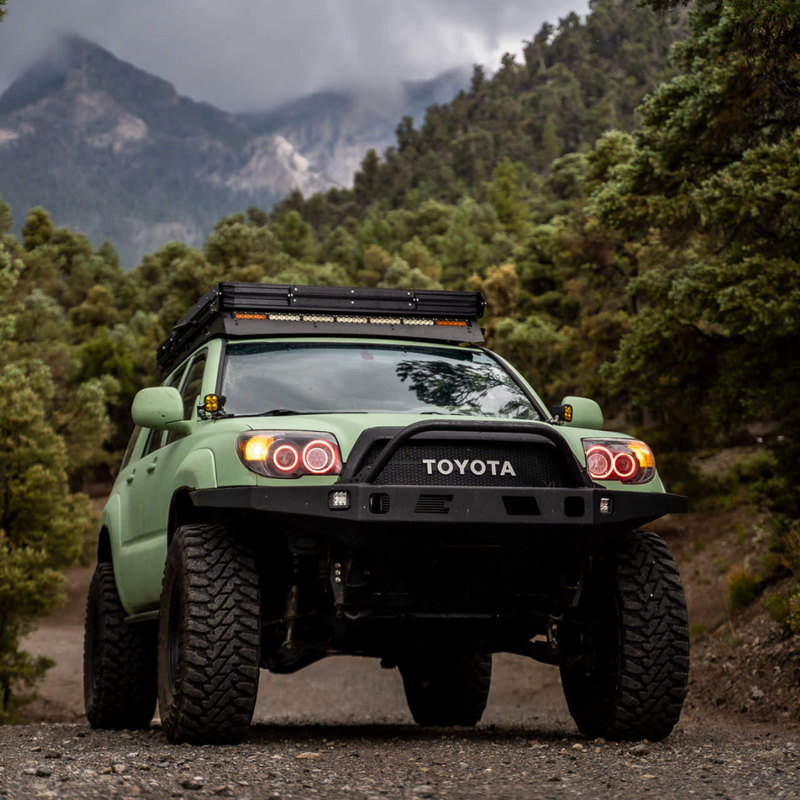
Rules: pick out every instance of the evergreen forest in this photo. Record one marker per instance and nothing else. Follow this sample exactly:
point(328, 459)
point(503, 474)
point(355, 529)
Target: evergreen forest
point(627, 198)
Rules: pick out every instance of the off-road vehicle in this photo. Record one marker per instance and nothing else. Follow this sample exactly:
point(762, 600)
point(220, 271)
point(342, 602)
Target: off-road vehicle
point(329, 471)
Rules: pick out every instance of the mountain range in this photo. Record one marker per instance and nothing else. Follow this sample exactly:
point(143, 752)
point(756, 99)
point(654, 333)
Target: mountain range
point(116, 153)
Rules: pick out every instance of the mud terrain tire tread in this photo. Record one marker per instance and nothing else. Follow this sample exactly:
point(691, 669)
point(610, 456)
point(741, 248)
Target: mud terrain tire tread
point(212, 696)
point(445, 690)
point(644, 693)
point(120, 675)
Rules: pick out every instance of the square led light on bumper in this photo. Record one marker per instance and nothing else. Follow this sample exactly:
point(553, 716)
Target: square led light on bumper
point(339, 501)
point(606, 505)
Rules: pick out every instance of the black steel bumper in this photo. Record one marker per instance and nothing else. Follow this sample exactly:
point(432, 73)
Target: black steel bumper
point(583, 508)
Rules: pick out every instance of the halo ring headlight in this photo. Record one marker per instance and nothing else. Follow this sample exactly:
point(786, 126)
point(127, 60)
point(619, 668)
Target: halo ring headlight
point(619, 466)
point(318, 456)
point(280, 455)
point(600, 471)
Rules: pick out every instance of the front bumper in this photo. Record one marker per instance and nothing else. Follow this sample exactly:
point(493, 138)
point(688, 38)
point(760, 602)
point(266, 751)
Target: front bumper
point(582, 508)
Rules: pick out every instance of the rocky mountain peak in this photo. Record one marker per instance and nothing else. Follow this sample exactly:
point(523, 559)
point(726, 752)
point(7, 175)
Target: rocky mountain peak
point(116, 152)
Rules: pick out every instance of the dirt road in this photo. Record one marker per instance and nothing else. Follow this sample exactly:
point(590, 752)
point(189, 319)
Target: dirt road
point(340, 729)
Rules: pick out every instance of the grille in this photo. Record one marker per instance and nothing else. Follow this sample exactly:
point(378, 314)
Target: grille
point(534, 464)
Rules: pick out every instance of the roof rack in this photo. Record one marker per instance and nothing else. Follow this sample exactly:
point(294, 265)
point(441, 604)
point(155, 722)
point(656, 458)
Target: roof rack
point(254, 310)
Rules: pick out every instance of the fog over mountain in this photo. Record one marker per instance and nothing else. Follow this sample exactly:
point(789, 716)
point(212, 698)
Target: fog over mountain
point(251, 55)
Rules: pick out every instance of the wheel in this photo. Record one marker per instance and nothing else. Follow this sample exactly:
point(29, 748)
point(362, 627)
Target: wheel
point(446, 689)
point(119, 660)
point(208, 637)
point(631, 684)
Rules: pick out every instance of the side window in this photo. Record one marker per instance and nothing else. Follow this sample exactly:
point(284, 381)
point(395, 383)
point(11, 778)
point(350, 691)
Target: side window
point(175, 380)
point(129, 449)
point(191, 389)
point(193, 385)
point(154, 437)
point(153, 442)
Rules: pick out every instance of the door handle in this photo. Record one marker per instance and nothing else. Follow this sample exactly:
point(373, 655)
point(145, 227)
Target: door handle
point(129, 479)
point(151, 468)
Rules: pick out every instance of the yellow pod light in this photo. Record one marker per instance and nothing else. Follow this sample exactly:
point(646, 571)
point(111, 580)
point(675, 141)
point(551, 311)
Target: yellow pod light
point(257, 448)
point(643, 453)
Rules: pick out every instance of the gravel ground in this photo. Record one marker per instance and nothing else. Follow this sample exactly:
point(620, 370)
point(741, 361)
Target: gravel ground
point(340, 729)
point(398, 761)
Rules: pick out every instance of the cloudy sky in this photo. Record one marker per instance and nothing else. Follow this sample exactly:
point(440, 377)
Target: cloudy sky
point(254, 54)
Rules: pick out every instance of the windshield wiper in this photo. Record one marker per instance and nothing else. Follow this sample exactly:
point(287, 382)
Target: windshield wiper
point(290, 412)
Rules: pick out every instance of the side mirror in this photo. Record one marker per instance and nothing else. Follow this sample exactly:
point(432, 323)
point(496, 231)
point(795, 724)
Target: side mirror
point(579, 412)
point(161, 408)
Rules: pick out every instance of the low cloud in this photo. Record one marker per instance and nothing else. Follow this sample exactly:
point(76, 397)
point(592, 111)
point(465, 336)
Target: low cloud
point(254, 54)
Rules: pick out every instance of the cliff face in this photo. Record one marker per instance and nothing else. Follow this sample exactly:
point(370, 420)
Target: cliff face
point(335, 129)
point(116, 153)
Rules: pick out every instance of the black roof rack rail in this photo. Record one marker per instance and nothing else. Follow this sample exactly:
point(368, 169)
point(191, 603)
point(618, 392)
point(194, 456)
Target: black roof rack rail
point(254, 310)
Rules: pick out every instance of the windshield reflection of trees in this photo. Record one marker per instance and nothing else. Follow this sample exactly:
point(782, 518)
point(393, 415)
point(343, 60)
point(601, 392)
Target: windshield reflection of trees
point(463, 387)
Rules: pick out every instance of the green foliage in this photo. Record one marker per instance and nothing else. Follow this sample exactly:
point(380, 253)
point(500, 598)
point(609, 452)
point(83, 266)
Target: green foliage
point(778, 606)
point(505, 196)
point(784, 608)
point(742, 588)
point(708, 199)
point(696, 630)
point(45, 439)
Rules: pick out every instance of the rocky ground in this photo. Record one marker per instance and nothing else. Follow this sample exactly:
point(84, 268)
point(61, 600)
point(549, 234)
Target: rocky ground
point(394, 760)
point(748, 670)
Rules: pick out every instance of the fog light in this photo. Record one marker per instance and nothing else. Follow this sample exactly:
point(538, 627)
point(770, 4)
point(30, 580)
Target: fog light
point(339, 500)
point(606, 505)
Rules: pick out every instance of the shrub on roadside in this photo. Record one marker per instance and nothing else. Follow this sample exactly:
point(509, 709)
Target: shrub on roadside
point(742, 587)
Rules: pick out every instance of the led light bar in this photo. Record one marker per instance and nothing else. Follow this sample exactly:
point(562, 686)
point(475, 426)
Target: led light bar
point(285, 317)
point(256, 310)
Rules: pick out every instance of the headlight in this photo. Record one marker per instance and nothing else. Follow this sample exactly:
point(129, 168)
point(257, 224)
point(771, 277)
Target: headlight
point(627, 461)
point(289, 454)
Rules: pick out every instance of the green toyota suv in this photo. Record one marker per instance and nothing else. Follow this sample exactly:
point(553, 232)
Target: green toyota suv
point(330, 471)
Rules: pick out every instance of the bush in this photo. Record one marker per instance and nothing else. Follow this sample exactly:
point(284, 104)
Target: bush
point(784, 608)
point(742, 587)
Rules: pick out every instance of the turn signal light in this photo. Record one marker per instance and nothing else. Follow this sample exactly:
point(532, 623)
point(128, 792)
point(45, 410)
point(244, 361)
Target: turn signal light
point(626, 461)
point(289, 454)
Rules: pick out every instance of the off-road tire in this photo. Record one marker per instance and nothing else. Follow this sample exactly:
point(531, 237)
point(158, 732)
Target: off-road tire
point(446, 689)
point(119, 660)
point(208, 637)
point(633, 683)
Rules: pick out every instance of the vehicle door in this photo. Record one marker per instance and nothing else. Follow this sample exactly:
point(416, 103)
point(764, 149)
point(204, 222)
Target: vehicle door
point(162, 462)
point(126, 521)
point(139, 563)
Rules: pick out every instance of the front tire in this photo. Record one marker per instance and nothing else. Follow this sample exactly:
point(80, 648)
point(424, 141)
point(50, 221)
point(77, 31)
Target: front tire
point(631, 682)
point(208, 637)
point(445, 689)
point(119, 660)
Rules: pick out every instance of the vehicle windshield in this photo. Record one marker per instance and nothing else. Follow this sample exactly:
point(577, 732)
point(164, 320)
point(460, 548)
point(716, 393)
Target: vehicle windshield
point(309, 377)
